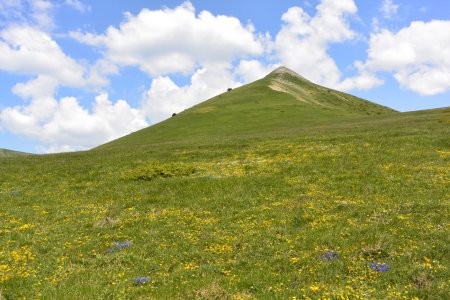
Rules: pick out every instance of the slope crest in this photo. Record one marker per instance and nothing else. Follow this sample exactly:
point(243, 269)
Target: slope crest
point(287, 81)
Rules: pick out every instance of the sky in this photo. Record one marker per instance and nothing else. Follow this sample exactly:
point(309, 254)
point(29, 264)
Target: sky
point(75, 74)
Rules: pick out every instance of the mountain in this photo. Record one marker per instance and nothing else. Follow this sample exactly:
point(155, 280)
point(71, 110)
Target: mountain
point(11, 153)
point(281, 100)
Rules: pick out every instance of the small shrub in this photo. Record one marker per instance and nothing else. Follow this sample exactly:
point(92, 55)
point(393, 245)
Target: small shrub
point(422, 281)
point(212, 292)
point(155, 169)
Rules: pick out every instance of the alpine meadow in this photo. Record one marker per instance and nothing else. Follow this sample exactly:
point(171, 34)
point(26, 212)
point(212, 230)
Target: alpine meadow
point(279, 189)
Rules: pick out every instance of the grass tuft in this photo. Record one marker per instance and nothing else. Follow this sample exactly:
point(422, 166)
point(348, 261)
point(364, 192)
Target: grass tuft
point(155, 169)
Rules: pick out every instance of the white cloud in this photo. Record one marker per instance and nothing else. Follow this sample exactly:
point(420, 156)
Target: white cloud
point(164, 97)
point(36, 13)
point(68, 126)
point(251, 70)
point(167, 41)
point(418, 56)
point(32, 12)
point(10, 9)
point(29, 51)
point(389, 9)
point(41, 87)
point(303, 40)
point(99, 72)
point(78, 5)
point(41, 13)
point(375, 25)
point(363, 81)
point(59, 125)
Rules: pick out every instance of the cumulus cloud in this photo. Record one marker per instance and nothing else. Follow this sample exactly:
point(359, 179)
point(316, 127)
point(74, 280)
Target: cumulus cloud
point(29, 51)
point(78, 5)
point(303, 41)
point(165, 97)
point(41, 87)
point(363, 81)
point(41, 12)
point(59, 125)
point(166, 41)
point(389, 9)
point(67, 126)
point(251, 70)
point(10, 9)
point(37, 13)
point(99, 73)
point(418, 56)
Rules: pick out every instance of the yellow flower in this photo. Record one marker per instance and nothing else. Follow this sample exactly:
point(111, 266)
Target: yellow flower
point(294, 260)
point(314, 288)
point(190, 266)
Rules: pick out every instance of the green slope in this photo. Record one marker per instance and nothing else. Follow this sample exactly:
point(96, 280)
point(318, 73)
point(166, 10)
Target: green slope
point(11, 153)
point(282, 100)
point(275, 209)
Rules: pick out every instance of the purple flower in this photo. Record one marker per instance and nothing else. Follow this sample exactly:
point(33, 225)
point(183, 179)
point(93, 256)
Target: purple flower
point(329, 256)
point(379, 267)
point(122, 245)
point(141, 280)
point(119, 246)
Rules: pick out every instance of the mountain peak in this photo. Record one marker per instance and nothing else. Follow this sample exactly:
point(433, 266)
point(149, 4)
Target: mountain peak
point(283, 70)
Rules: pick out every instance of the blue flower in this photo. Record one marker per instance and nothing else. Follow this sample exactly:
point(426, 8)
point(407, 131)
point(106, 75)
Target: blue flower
point(120, 246)
point(329, 256)
point(141, 280)
point(379, 267)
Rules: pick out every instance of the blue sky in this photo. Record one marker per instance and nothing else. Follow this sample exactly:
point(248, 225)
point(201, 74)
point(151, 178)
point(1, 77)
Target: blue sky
point(75, 74)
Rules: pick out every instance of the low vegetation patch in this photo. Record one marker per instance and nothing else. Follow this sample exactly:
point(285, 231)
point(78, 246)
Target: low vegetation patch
point(155, 169)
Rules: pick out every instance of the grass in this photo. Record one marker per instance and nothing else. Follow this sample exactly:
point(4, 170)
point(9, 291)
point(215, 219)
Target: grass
point(245, 214)
point(10, 153)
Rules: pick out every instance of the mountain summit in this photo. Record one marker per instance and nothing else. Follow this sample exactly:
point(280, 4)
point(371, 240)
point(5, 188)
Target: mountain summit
point(287, 81)
point(285, 71)
point(283, 100)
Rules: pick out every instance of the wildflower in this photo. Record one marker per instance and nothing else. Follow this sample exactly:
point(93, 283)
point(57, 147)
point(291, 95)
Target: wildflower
point(120, 246)
point(329, 256)
point(380, 267)
point(141, 280)
point(314, 288)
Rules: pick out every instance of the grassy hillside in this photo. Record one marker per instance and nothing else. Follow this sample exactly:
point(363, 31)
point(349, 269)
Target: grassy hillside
point(281, 101)
point(319, 205)
point(10, 153)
